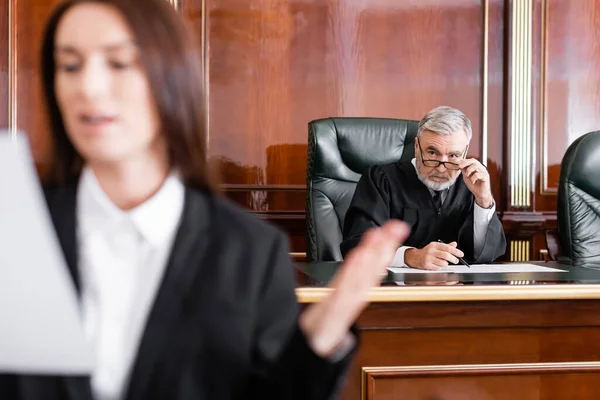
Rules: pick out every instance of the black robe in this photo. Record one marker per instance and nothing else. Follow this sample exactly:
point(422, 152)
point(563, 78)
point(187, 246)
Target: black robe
point(394, 191)
point(224, 322)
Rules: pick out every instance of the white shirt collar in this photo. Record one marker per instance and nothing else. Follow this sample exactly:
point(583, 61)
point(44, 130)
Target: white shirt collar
point(156, 219)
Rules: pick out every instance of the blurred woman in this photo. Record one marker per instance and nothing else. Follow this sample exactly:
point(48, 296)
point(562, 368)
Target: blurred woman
point(183, 295)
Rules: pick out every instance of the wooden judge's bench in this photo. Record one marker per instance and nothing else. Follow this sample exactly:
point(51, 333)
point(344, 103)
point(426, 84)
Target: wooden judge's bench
point(479, 336)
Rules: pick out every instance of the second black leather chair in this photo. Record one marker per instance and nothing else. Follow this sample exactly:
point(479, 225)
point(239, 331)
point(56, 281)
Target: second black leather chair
point(579, 200)
point(339, 151)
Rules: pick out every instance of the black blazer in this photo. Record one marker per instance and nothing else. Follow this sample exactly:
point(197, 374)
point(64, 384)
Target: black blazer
point(224, 323)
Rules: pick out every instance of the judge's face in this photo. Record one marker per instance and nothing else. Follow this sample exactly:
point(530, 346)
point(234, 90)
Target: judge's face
point(102, 90)
point(432, 147)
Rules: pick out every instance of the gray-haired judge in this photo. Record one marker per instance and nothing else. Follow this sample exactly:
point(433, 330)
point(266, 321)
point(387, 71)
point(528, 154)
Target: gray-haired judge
point(445, 197)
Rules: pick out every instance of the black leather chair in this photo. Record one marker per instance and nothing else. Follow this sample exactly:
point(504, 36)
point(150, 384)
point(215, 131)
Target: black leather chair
point(579, 200)
point(339, 151)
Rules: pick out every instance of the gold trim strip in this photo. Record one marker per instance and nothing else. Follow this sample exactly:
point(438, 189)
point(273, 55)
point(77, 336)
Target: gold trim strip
point(519, 106)
point(521, 103)
point(526, 93)
point(12, 68)
point(203, 61)
point(363, 384)
point(485, 79)
point(205, 72)
point(543, 118)
point(414, 294)
point(482, 369)
point(519, 250)
point(509, 367)
point(513, 100)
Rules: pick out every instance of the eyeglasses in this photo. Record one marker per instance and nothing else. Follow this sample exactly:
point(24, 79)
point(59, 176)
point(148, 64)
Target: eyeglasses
point(437, 163)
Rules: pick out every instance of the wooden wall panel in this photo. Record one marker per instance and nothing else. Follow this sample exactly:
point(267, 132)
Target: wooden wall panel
point(408, 347)
point(193, 13)
point(511, 383)
point(271, 66)
point(274, 67)
point(31, 114)
point(563, 103)
point(568, 85)
point(4, 62)
point(495, 99)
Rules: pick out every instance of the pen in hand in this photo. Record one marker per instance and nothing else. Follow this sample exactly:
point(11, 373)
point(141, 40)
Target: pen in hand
point(460, 259)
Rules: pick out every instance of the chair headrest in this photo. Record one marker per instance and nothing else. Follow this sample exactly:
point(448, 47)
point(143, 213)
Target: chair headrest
point(346, 147)
point(581, 164)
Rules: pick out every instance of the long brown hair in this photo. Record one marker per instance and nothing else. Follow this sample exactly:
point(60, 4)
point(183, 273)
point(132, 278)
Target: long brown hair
point(170, 58)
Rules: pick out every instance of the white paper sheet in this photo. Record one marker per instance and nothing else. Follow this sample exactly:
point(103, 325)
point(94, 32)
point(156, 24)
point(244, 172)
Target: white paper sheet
point(478, 269)
point(40, 327)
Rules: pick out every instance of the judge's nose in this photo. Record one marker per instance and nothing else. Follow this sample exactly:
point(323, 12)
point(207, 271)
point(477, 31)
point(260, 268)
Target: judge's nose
point(441, 168)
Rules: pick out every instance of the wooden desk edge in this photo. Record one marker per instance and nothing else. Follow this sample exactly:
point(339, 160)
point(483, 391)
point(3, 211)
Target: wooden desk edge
point(464, 293)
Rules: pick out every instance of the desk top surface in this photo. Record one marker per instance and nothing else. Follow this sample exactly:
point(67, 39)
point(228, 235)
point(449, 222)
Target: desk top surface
point(574, 281)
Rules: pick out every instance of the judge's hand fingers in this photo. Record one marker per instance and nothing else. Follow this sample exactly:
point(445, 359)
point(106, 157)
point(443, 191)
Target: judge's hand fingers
point(432, 264)
point(478, 176)
point(433, 260)
point(450, 248)
point(468, 171)
point(446, 256)
point(439, 262)
point(473, 178)
point(462, 164)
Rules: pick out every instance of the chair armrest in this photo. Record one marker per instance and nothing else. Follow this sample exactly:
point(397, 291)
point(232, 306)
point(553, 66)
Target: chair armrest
point(553, 244)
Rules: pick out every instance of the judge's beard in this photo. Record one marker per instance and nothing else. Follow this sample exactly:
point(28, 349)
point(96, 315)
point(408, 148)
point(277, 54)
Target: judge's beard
point(434, 185)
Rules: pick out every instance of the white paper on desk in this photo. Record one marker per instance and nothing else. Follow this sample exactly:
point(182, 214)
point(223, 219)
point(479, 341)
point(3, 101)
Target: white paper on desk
point(40, 326)
point(478, 269)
